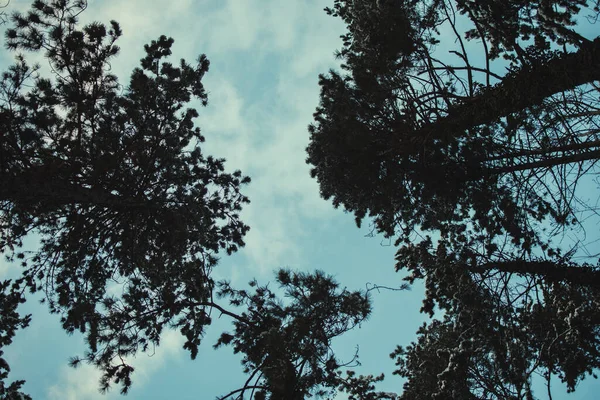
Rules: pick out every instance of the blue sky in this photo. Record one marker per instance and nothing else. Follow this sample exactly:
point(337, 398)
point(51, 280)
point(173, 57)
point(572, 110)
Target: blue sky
point(265, 59)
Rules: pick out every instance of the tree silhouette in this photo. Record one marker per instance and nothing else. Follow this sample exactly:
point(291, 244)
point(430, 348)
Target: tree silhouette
point(286, 342)
point(400, 123)
point(114, 182)
point(497, 334)
point(9, 323)
point(473, 169)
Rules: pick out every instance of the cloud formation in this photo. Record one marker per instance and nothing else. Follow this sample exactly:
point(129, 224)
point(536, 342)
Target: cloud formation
point(81, 383)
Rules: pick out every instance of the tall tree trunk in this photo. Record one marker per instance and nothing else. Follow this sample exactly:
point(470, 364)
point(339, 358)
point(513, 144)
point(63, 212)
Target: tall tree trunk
point(520, 90)
point(548, 270)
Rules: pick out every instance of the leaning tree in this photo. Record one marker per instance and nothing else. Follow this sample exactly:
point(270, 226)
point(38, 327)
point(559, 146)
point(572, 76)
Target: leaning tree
point(463, 128)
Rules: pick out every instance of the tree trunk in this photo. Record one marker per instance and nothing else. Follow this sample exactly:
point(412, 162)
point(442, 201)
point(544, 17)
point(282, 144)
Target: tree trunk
point(521, 90)
point(551, 271)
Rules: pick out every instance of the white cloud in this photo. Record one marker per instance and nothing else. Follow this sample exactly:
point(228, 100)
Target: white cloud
point(271, 241)
point(225, 112)
point(235, 26)
point(82, 383)
point(77, 384)
point(147, 364)
point(266, 135)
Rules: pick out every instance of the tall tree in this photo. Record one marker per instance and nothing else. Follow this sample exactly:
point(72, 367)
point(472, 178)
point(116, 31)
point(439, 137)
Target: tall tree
point(286, 343)
point(401, 123)
point(498, 333)
point(286, 335)
point(470, 151)
point(114, 182)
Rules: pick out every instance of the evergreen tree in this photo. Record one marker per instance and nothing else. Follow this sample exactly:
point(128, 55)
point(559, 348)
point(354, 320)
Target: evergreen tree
point(496, 335)
point(286, 338)
point(404, 137)
point(473, 170)
point(114, 182)
point(286, 343)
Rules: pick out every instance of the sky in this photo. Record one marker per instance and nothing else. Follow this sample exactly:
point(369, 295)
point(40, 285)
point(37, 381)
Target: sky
point(265, 59)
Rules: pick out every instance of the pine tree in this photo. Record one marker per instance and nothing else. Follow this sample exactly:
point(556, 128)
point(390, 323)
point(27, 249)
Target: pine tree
point(114, 182)
point(469, 153)
point(285, 337)
point(10, 322)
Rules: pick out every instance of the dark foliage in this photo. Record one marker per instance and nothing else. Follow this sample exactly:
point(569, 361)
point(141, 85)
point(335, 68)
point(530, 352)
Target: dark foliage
point(114, 181)
point(10, 321)
point(473, 170)
point(412, 141)
point(286, 343)
point(495, 336)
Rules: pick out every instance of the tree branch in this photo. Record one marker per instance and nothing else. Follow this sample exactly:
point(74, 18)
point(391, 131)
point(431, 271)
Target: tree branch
point(525, 88)
point(586, 276)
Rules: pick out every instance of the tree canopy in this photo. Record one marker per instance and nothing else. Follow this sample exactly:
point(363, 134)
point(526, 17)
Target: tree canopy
point(131, 215)
point(114, 181)
point(463, 128)
point(286, 345)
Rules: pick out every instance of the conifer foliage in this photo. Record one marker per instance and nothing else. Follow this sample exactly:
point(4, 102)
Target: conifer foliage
point(129, 211)
point(286, 341)
point(463, 128)
point(131, 216)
